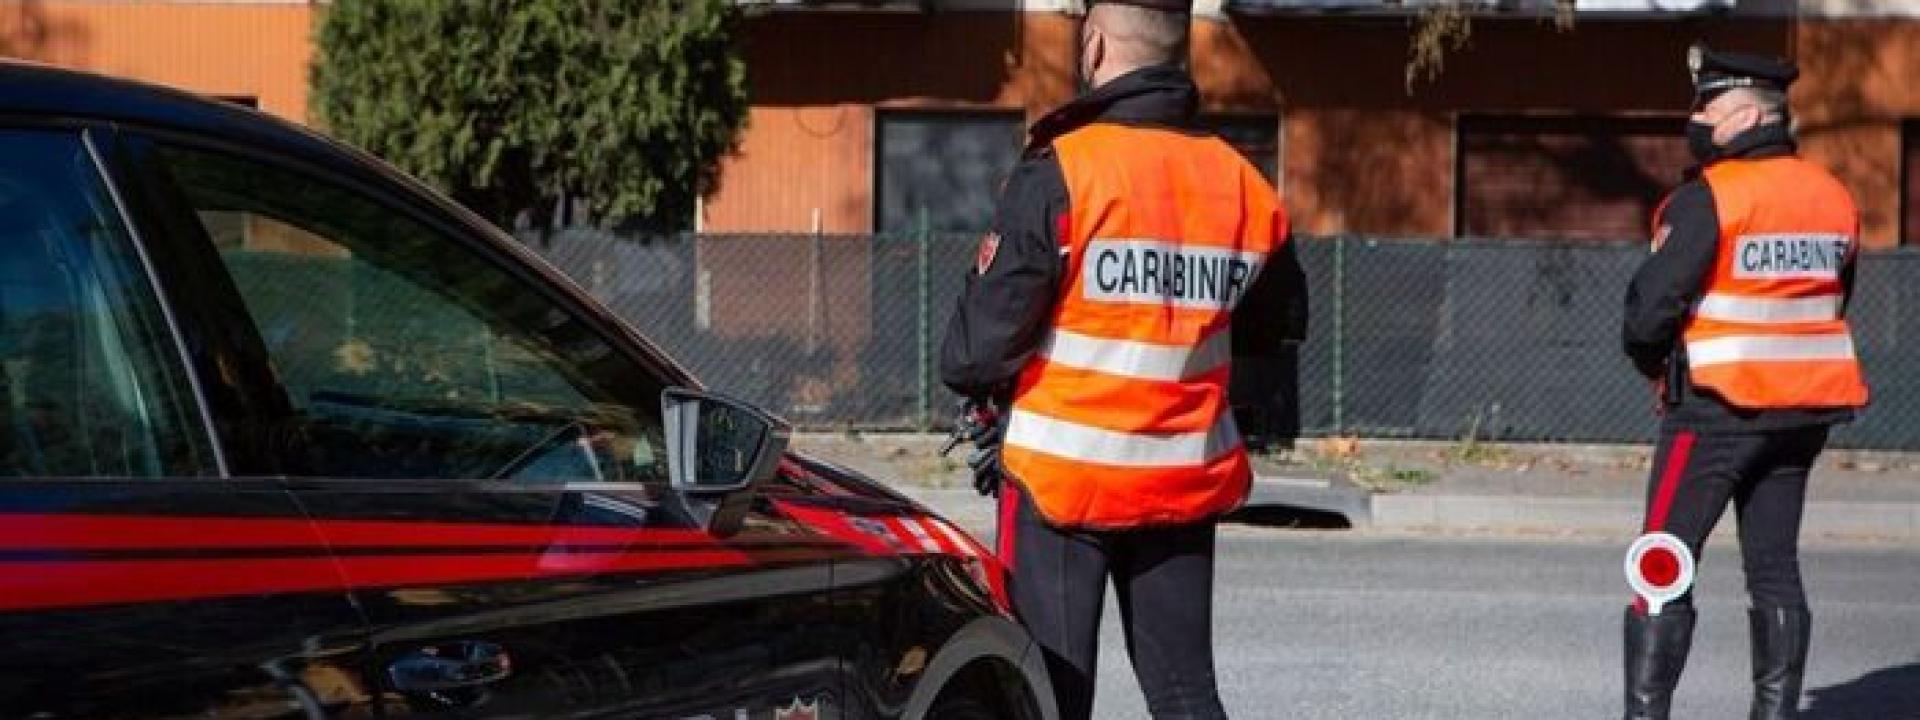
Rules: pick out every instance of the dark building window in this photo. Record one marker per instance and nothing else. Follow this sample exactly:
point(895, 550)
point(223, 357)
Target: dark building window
point(1565, 178)
point(1255, 136)
point(941, 171)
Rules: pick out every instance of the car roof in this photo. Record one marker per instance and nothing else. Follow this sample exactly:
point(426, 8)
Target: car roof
point(36, 90)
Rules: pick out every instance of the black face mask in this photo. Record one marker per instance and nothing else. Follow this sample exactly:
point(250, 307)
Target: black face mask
point(1700, 141)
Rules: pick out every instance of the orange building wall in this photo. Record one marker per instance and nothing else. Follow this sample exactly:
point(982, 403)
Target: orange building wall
point(259, 50)
point(1368, 153)
point(1362, 151)
point(797, 169)
point(1857, 85)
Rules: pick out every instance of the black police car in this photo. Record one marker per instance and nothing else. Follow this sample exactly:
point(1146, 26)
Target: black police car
point(285, 434)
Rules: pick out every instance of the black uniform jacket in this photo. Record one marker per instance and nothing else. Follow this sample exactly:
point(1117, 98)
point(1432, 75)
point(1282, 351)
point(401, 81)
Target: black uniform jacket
point(1004, 313)
point(1671, 281)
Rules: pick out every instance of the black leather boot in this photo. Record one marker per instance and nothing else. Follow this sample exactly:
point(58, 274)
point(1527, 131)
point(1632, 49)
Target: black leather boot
point(1656, 651)
point(1780, 637)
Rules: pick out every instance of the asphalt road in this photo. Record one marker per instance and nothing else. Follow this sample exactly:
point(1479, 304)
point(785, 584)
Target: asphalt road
point(1329, 625)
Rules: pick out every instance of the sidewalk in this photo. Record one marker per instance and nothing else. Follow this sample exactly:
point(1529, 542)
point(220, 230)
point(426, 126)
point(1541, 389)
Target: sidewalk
point(1414, 487)
point(1600, 490)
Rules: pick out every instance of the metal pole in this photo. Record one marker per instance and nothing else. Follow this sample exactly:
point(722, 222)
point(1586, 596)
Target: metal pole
point(1339, 335)
point(815, 285)
point(926, 338)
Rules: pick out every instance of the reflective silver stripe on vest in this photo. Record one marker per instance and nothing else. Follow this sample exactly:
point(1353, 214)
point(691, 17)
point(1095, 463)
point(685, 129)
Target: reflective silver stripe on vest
point(1139, 360)
point(1086, 443)
point(1765, 348)
point(1746, 309)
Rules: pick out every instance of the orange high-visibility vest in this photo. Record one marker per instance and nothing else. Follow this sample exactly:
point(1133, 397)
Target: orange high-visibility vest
point(1121, 419)
point(1768, 330)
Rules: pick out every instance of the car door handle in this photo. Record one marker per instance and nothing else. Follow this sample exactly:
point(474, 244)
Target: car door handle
point(451, 666)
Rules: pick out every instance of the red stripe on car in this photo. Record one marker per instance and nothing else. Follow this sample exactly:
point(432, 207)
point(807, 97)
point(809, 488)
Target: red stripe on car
point(34, 585)
point(149, 532)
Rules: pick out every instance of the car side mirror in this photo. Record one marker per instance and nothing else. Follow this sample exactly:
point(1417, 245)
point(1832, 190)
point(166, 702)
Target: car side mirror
point(718, 451)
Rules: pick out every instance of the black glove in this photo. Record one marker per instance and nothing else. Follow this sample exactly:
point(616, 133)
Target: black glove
point(979, 423)
point(985, 461)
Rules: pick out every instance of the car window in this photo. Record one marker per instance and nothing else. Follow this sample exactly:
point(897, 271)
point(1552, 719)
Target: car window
point(405, 353)
point(91, 380)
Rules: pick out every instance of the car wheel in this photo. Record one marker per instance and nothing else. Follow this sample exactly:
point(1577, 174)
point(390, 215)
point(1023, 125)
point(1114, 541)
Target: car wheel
point(960, 708)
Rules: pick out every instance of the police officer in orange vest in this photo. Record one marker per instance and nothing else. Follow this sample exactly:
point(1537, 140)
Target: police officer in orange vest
point(1739, 319)
point(1132, 256)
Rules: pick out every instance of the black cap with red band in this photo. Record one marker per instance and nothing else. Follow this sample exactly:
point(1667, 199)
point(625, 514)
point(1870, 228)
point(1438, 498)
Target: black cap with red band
point(1715, 72)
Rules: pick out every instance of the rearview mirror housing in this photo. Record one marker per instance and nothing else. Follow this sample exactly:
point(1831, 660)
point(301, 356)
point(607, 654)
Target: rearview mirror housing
point(719, 450)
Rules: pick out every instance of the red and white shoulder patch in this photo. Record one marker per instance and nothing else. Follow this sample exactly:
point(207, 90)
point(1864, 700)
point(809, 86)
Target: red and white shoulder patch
point(798, 710)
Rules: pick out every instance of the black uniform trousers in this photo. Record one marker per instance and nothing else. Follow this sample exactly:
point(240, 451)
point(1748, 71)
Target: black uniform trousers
point(1163, 578)
point(1764, 473)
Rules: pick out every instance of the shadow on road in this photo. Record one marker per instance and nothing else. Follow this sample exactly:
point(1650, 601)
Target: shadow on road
point(1282, 516)
point(1890, 693)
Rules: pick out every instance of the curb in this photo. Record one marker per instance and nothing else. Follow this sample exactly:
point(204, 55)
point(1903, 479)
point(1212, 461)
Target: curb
point(1327, 494)
point(1882, 520)
point(1416, 514)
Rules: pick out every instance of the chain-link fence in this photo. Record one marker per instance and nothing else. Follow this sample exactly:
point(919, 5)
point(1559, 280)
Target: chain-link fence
point(827, 331)
point(1498, 340)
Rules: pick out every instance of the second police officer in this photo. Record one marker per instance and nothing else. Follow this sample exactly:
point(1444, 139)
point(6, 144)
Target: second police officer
point(1739, 320)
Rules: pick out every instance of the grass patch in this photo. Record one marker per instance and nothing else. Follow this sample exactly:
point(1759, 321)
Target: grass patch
point(1474, 452)
point(1389, 478)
